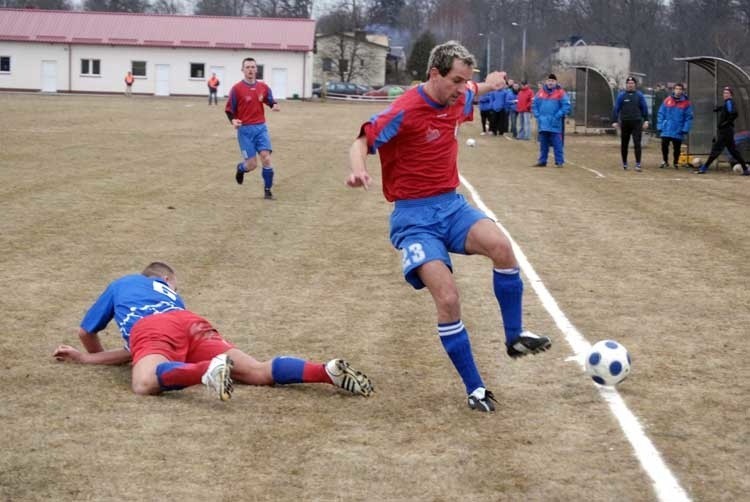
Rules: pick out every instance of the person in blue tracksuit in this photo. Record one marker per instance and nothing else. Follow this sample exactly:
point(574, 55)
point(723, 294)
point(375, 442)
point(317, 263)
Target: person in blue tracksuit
point(673, 122)
point(485, 112)
point(550, 106)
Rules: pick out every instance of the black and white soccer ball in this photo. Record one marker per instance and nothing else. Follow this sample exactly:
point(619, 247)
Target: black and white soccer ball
point(608, 363)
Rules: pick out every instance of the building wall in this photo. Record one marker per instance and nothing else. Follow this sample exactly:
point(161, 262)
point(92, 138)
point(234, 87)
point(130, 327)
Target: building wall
point(26, 68)
point(612, 62)
point(372, 55)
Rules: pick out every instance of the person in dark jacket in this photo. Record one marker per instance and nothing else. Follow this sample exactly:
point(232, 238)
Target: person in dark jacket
point(725, 134)
point(675, 117)
point(631, 116)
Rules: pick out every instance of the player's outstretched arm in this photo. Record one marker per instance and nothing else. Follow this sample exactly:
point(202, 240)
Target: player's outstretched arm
point(66, 353)
point(359, 176)
point(95, 353)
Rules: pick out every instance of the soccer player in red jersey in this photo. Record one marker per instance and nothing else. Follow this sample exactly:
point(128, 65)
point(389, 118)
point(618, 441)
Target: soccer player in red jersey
point(173, 348)
point(245, 111)
point(416, 140)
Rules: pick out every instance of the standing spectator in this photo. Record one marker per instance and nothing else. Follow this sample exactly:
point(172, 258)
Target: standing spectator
point(511, 107)
point(129, 79)
point(523, 107)
point(245, 111)
point(631, 116)
point(485, 112)
point(213, 88)
point(418, 153)
point(499, 117)
point(725, 133)
point(675, 117)
point(660, 94)
point(551, 104)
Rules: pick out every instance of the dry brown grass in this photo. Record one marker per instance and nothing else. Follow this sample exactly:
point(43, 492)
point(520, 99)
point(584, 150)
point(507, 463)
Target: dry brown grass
point(95, 187)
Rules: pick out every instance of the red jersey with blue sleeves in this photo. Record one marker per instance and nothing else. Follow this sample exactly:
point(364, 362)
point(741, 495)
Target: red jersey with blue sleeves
point(246, 102)
point(128, 300)
point(416, 140)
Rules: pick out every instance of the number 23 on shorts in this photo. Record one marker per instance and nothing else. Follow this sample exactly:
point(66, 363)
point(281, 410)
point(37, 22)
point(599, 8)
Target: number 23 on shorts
point(412, 254)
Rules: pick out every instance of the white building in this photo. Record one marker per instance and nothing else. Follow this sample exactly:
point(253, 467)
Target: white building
point(363, 55)
point(612, 62)
point(66, 51)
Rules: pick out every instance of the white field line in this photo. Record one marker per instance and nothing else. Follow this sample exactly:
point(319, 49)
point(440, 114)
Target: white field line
point(665, 484)
point(598, 174)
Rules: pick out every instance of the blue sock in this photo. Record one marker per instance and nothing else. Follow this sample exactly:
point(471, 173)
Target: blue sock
point(287, 370)
point(268, 177)
point(165, 380)
point(241, 167)
point(509, 293)
point(455, 340)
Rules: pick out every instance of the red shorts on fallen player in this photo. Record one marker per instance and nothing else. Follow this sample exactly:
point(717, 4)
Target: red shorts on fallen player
point(179, 335)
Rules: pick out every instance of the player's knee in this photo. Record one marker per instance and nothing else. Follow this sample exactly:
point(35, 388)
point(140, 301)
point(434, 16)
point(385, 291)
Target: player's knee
point(448, 301)
point(144, 388)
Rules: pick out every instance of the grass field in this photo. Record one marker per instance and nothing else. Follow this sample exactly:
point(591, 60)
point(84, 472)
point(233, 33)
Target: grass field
point(92, 188)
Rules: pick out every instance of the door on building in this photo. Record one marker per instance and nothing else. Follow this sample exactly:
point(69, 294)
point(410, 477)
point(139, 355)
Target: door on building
point(278, 83)
point(219, 71)
point(162, 80)
point(49, 76)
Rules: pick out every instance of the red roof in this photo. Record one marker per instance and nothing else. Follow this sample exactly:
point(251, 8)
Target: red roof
point(114, 28)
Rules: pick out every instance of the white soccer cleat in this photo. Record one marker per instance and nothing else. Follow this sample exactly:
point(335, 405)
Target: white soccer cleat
point(347, 378)
point(217, 379)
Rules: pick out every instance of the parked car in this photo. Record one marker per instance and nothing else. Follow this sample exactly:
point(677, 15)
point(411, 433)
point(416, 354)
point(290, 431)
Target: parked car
point(346, 88)
point(387, 91)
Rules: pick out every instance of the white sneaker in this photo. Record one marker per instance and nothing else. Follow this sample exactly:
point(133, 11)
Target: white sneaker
point(347, 378)
point(217, 379)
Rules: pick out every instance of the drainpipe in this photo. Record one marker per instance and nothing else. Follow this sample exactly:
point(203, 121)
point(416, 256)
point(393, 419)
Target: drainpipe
point(70, 68)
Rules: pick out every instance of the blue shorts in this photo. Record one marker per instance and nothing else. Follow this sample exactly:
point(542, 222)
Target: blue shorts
point(428, 229)
point(253, 138)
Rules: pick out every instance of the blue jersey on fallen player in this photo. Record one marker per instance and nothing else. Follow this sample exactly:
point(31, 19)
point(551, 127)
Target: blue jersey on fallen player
point(128, 300)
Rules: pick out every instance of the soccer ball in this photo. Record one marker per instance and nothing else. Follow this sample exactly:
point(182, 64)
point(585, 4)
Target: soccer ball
point(737, 169)
point(471, 142)
point(608, 363)
point(697, 161)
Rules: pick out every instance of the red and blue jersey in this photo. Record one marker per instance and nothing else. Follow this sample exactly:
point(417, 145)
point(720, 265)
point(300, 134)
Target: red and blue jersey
point(128, 300)
point(246, 102)
point(416, 140)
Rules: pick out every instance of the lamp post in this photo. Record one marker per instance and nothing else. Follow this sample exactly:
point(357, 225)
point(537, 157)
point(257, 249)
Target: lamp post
point(486, 53)
point(523, 48)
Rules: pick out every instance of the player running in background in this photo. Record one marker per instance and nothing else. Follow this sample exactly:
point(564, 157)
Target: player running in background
point(245, 111)
point(416, 139)
point(725, 133)
point(173, 348)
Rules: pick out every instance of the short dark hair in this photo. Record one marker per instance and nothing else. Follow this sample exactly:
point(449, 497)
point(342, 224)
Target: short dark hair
point(248, 59)
point(443, 55)
point(680, 86)
point(158, 269)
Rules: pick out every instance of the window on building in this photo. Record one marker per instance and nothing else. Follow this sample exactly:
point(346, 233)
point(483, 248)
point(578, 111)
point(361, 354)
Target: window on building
point(138, 68)
point(361, 63)
point(4, 64)
point(327, 64)
point(259, 76)
point(343, 65)
point(90, 67)
point(197, 70)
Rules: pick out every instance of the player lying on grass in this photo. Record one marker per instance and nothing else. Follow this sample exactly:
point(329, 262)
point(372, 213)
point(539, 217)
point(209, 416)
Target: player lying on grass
point(172, 348)
point(416, 140)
